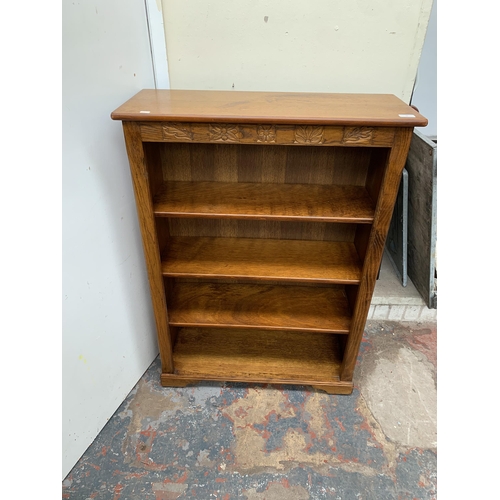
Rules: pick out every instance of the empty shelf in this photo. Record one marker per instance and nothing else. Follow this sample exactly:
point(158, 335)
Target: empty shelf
point(305, 202)
point(273, 307)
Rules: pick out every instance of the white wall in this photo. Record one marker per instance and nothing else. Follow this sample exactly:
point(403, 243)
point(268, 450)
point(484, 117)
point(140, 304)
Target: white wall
point(291, 45)
point(109, 337)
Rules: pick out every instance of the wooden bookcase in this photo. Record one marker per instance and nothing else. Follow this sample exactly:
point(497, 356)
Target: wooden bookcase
point(263, 219)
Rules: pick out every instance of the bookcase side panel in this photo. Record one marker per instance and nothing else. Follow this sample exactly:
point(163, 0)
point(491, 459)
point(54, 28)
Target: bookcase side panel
point(375, 247)
point(142, 192)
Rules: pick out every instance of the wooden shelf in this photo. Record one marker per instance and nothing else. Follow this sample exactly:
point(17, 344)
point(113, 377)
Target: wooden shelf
point(271, 307)
point(265, 356)
point(242, 200)
point(262, 259)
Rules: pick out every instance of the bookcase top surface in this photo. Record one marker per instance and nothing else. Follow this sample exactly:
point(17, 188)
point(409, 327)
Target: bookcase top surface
point(383, 110)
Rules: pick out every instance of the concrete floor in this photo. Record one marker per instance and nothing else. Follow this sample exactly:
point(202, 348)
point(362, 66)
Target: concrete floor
point(261, 442)
point(393, 302)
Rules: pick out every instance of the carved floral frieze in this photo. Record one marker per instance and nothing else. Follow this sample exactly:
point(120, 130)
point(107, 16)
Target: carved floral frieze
point(249, 133)
point(224, 133)
point(266, 133)
point(308, 135)
point(358, 134)
point(180, 131)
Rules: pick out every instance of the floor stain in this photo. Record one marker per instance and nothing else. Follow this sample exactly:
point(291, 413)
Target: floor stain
point(278, 491)
point(231, 441)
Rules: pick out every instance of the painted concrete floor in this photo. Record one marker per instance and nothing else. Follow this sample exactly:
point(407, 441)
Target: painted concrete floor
point(259, 442)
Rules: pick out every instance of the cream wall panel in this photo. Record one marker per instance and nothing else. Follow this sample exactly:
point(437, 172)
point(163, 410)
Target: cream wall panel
point(317, 46)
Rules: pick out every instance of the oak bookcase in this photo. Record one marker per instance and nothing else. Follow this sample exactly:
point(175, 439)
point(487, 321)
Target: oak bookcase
point(263, 218)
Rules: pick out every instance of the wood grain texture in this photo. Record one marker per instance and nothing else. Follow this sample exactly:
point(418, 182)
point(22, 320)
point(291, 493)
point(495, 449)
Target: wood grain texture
point(260, 307)
point(362, 239)
point(262, 259)
point(422, 215)
point(307, 202)
point(375, 248)
point(274, 164)
point(376, 171)
point(357, 110)
point(140, 180)
point(230, 228)
point(340, 387)
point(258, 356)
point(152, 159)
point(335, 387)
point(266, 135)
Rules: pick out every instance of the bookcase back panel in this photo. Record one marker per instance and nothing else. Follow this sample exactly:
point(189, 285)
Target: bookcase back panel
point(231, 228)
point(273, 164)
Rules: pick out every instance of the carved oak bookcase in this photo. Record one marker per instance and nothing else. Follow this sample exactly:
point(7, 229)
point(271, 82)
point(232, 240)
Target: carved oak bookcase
point(263, 219)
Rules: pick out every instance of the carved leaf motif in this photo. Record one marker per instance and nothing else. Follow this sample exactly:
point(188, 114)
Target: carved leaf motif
point(308, 135)
point(266, 133)
point(177, 131)
point(226, 133)
point(358, 134)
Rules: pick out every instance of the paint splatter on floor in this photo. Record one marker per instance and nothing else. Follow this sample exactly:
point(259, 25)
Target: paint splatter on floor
point(261, 442)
